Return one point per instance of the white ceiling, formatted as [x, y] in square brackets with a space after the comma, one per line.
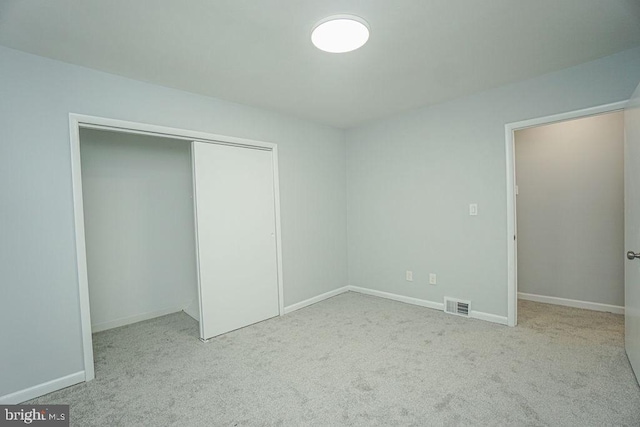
[258, 52]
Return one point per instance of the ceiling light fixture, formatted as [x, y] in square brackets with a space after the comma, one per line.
[340, 33]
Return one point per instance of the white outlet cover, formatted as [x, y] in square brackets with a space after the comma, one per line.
[433, 279]
[409, 276]
[473, 209]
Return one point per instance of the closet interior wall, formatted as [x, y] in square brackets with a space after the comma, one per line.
[139, 226]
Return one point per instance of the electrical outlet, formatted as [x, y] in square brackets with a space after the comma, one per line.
[473, 209]
[409, 276]
[433, 279]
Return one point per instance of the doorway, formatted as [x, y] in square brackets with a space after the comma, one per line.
[570, 212]
[510, 129]
[178, 142]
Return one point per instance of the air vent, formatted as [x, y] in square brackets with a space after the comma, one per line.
[457, 306]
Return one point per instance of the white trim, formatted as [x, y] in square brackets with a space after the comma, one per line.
[396, 297]
[510, 128]
[616, 309]
[426, 303]
[116, 125]
[276, 193]
[42, 389]
[123, 321]
[488, 317]
[197, 250]
[81, 249]
[512, 251]
[302, 304]
[76, 121]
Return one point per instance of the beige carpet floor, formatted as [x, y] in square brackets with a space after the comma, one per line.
[361, 360]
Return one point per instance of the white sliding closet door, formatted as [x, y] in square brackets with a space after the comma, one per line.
[235, 234]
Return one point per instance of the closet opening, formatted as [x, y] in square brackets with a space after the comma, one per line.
[139, 230]
[176, 228]
[140, 242]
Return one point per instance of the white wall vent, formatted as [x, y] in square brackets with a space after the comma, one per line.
[457, 306]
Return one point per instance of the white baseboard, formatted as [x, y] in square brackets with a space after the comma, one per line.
[302, 304]
[42, 389]
[616, 309]
[487, 317]
[396, 297]
[99, 327]
[429, 304]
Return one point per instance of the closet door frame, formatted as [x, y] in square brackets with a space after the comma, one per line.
[78, 121]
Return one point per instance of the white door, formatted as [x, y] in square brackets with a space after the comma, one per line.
[235, 234]
[632, 230]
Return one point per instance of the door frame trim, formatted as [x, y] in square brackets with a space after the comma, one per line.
[78, 121]
[512, 244]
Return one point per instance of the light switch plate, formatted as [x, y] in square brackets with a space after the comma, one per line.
[473, 209]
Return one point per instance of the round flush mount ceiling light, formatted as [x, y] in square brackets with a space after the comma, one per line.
[340, 33]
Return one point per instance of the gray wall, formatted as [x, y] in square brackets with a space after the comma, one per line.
[39, 308]
[139, 229]
[412, 177]
[570, 209]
